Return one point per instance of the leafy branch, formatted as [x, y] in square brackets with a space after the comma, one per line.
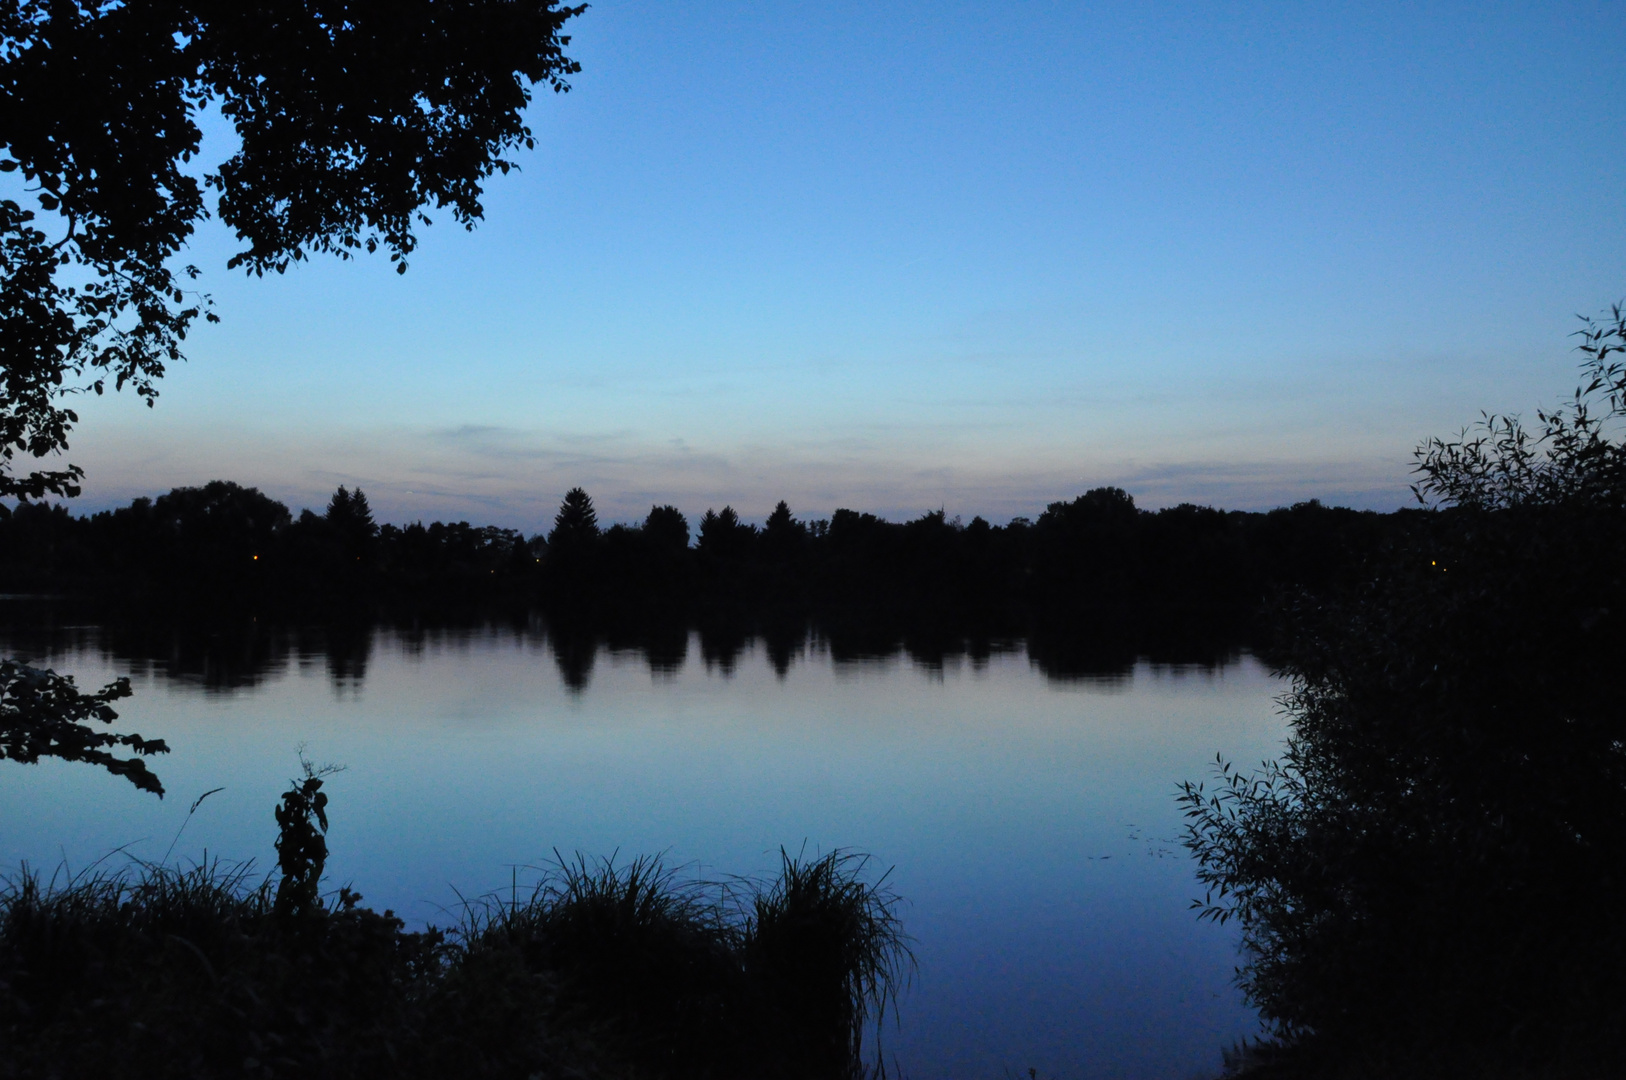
[44, 715]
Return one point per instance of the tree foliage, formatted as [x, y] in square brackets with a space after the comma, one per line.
[1575, 458]
[44, 715]
[576, 523]
[1436, 855]
[302, 841]
[667, 528]
[352, 118]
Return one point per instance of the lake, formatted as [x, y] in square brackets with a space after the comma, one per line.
[1027, 818]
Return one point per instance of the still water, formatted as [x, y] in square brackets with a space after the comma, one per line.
[1028, 819]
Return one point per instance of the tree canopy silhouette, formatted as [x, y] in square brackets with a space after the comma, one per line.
[1437, 857]
[352, 116]
[667, 528]
[576, 523]
[43, 715]
[351, 521]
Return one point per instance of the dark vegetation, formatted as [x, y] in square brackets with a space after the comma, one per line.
[1095, 564]
[1428, 881]
[353, 119]
[1090, 587]
[597, 970]
[44, 715]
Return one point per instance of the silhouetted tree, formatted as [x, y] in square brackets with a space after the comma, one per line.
[1433, 866]
[349, 119]
[571, 572]
[524, 555]
[649, 571]
[784, 553]
[1087, 555]
[781, 529]
[41, 546]
[350, 522]
[576, 523]
[351, 513]
[216, 539]
[714, 527]
[666, 528]
[724, 554]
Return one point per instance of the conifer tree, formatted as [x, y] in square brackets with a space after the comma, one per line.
[576, 523]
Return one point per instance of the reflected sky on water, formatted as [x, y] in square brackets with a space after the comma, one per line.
[1028, 819]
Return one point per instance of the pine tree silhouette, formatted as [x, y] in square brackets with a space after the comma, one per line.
[576, 523]
[338, 507]
[351, 521]
[780, 523]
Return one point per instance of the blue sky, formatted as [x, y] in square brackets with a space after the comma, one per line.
[902, 256]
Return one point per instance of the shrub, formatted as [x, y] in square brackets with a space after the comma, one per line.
[1432, 864]
[599, 970]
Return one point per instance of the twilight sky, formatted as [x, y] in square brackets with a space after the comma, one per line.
[904, 255]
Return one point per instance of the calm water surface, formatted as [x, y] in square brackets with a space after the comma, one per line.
[1029, 821]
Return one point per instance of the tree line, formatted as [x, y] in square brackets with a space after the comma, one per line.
[1097, 556]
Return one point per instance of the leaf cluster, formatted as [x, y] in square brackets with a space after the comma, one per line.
[45, 715]
[352, 118]
[302, 842]
[1574, 456]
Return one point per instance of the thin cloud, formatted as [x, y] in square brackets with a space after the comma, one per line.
[489, 474]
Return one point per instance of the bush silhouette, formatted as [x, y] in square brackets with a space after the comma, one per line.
[599, 970]
[1431, 868]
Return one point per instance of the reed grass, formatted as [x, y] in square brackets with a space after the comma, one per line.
[827, 953]
[599, 968]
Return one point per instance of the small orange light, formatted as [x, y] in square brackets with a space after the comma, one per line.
[256, 558]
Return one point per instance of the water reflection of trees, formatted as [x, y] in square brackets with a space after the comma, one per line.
[223, 654]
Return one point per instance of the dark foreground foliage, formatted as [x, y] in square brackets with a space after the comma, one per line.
[599, 970]
[44, 715]
[352, 120]
[1428, 881]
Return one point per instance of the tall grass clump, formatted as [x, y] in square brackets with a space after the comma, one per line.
[667, 977]
[190, 972]
[599, 969]
[826, 954]
[635, 962]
